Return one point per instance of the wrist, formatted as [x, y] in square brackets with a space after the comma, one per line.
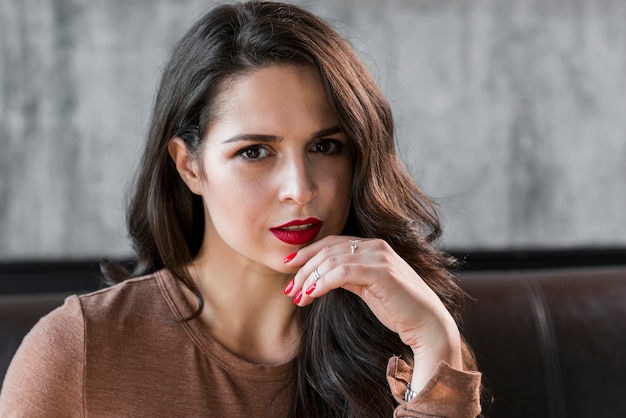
[442, 344]
[440, 340]
[439, 348]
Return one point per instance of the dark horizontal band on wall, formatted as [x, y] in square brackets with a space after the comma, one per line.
[25, 277]
[70, 276]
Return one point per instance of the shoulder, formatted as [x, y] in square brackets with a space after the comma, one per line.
[59, 331]
[48, 372]
[59, 336]
[141, 302]
[51, 353]
[110, 299]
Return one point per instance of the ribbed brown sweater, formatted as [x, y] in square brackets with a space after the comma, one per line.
[123, 352]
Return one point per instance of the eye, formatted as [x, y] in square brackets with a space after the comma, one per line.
[254, 152]
[327, 146]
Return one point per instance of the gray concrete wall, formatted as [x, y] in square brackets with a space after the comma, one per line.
[511, 113]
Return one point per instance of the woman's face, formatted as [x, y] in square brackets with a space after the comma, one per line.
[277, 168]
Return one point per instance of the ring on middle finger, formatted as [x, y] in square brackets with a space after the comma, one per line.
[354, 245]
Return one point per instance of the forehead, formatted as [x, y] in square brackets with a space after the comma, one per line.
[278, 97]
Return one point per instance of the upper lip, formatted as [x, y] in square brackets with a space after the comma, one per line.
[297, 224]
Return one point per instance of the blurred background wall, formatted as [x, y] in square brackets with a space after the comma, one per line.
[510, 113]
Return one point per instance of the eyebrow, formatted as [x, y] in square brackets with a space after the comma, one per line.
[273, 138]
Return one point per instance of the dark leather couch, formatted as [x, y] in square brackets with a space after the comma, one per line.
[550, 341]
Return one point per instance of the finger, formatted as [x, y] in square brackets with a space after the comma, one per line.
[361, 264]
[304, 254]
[303, 258]
[324, 252]
[346, 268]
[345, 272]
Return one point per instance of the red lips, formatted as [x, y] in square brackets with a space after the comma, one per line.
[298, 232]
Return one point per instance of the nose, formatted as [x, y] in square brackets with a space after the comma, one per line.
[297, 181]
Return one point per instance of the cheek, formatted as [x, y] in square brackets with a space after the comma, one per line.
[340, 182]
[231, 194]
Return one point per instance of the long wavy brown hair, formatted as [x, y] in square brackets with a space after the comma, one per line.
[344, 348]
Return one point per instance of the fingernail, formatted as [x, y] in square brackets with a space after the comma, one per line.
[289, 258]
[310, 289]
[298, 297]
[289, 286]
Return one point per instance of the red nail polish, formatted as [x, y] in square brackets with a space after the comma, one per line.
[298, 297]
[289, 258]
[310, 289]
[289, 287]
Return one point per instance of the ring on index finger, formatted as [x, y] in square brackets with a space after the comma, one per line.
[316, 275]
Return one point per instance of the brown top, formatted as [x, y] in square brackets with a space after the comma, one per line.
[122, 351]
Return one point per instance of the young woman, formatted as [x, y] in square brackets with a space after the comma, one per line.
[286, 265]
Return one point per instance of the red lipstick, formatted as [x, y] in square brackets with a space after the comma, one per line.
[298, 232]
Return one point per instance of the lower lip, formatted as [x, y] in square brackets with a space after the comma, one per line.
[300, 237]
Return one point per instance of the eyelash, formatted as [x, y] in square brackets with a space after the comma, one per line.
[242, 153]
[338, 145]
[335, 148]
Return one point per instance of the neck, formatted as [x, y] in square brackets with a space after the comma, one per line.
[246, 310]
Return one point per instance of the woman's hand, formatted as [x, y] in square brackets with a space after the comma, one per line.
[394, 292]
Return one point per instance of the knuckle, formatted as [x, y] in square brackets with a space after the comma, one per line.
[325, 251]
[381, 244]
[346, 269]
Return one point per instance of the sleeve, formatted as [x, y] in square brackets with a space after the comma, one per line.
[449, 393]
[45, 377]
